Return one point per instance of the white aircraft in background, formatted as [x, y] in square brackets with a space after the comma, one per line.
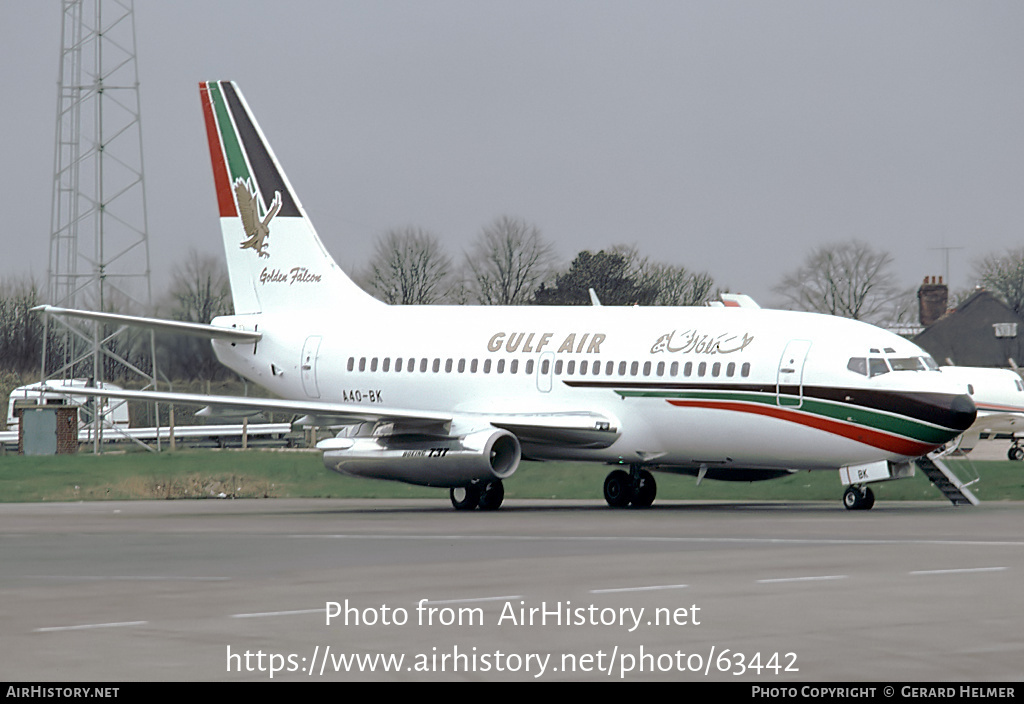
[999, 397]
[456, 396]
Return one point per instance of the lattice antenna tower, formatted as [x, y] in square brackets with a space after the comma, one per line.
[99, 247]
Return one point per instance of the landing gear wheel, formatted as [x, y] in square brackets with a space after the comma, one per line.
[618, 489]
[1015, 453]
[857, 499]
[465, 498]
[644, 490]
[492, 495]
[869, 499]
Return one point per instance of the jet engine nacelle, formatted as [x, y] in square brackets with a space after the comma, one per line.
[428, 461]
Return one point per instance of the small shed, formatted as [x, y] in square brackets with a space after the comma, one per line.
[47, 429]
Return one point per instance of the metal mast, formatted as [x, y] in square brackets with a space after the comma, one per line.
[99, 246]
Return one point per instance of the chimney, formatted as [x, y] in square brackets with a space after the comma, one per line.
[932, 299]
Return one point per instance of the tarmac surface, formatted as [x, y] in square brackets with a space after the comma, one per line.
[759, 592]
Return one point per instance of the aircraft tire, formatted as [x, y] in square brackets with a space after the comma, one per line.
[869, 499]
[645, 491]
[465, 498]
[1015, 453]
[492, 495]
[618, 489]
[857, 499]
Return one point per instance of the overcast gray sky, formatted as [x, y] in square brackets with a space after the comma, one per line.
[731, 137]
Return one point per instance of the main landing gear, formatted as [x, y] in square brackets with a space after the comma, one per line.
[636, 488]
[1016, 452]
[856, 498]
[485, 495]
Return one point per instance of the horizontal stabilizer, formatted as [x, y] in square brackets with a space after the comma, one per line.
[179, 327]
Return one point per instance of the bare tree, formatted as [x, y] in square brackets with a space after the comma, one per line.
[1004, 276]
[200, 291]
[409, 267]
[510, 259]
[672, 284]
[21, 331]
[850, 280]
[678, 286]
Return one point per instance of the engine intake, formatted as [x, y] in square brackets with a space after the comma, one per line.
[427, 461]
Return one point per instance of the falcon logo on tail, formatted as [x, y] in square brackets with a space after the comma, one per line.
[256, 229]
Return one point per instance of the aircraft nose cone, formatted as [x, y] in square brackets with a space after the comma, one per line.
[961, 412]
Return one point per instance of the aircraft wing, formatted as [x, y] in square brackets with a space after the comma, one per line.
[338, 412]
[991, 422]
[583, 429]
[159, 324]
[998, 421]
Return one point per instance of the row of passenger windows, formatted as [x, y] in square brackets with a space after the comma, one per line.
[561, 367]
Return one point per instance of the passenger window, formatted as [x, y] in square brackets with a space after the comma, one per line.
[386, 365]
[716, 368]
[423, 365]
[351, 363]
[462, 366]
[473, 366]
[558, 367]
[702, 368]
[583, 367]
[745, 369]
[570, 367]
[622, 369]
[545, 364]
[731, 369]
[688, 369]
[501, 366]
[513, 366]
[437, 365]
[487, 366]
[529, 366]
[647, 368]
[673, 370]
[661, 369]
[634, 368]
[609, 368]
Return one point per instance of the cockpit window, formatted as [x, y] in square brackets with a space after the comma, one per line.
[901, 364]
[858, 364]
[876, 366]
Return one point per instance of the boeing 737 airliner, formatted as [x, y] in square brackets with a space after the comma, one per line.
[456, 396]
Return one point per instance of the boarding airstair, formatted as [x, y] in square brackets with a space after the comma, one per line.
[943, 478]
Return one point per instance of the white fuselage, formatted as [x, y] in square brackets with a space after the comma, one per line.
[687, 387]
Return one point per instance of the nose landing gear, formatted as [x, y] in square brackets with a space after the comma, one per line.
[856, 498]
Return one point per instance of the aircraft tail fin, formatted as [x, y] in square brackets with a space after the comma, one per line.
[275, 259]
